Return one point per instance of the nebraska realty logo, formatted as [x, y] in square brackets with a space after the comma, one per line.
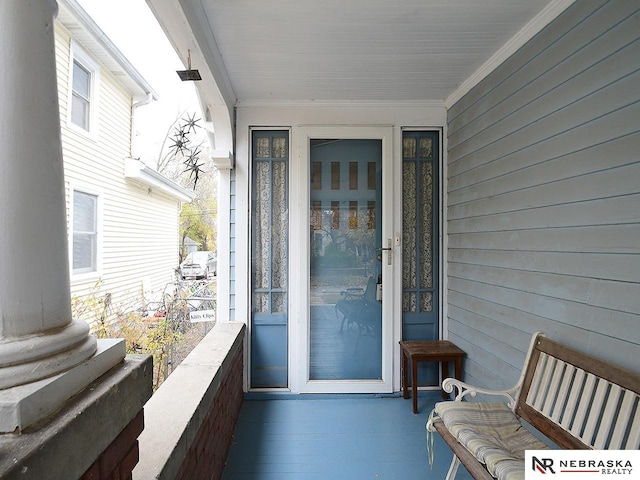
[581, 464]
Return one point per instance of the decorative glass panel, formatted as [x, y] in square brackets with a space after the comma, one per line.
[262, 219]
[262, 147]
[426, 225]
[409, 303]
[279, 303]
[279, 147]
[261, 302]
[279, 226]
[426, 302]
[409, 148]
[426, 147]
[409, 220]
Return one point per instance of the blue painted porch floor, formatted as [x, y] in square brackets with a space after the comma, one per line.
[335, 437]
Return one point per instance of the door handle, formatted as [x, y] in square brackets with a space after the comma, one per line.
[387, 249]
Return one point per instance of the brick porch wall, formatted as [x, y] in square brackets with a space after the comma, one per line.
[93, 437]
[189, 421]
[208, 452]
[119, 458]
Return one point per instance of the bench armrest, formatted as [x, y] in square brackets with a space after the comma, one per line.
[510, 394]
[464, 390]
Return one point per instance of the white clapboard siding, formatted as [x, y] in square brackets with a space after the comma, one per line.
[139, 230]
[543, 199]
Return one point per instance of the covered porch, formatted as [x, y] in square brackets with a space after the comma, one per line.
[518, 213]
[536, 108]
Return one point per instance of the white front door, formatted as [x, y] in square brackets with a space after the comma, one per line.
[342, 260]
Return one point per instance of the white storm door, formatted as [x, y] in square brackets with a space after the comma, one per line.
[345, 333]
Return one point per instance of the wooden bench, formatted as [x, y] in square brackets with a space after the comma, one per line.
[574, 399]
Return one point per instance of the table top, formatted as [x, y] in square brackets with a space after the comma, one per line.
[431, 348]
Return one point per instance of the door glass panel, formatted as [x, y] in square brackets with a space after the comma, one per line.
[345, 337]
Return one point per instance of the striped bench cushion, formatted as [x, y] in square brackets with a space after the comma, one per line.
[492, 433]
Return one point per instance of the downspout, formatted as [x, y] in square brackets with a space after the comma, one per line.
[135, 104]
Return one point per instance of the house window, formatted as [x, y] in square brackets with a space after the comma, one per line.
[83, 95]
[85, 233]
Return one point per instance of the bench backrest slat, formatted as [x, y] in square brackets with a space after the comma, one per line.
[562, 401]
[608, 417]
[596, 408]
[624, 414]
[556, 382]
[579, 401]
[534, 395]
[586, 393]
[577, 374]
[634, 434]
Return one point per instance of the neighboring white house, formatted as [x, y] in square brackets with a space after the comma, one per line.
[122, 215]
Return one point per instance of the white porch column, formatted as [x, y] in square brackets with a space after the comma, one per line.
[38, 337]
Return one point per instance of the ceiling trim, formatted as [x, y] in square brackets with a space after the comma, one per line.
[531, 29]
[200, 25]
[341, 103]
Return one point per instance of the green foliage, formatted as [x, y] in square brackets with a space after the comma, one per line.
[153, 336]
[92, 307]
[198, 221]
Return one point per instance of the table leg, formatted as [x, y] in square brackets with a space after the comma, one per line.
[459, 368]
[403, 366]
[414, 383]
[445, 374]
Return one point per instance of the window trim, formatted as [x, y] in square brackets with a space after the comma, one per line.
[80, 56]
[94, 274]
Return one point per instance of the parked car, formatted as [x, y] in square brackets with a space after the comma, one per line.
[199, 265]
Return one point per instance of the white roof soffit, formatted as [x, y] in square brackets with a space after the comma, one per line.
[379, 53]
[92, 38]
[136, 171]
[546, 16]
[217, 97]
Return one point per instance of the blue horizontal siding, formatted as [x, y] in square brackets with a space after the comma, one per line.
[543, 197]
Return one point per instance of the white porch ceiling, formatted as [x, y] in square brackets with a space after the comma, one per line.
[350, 50]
